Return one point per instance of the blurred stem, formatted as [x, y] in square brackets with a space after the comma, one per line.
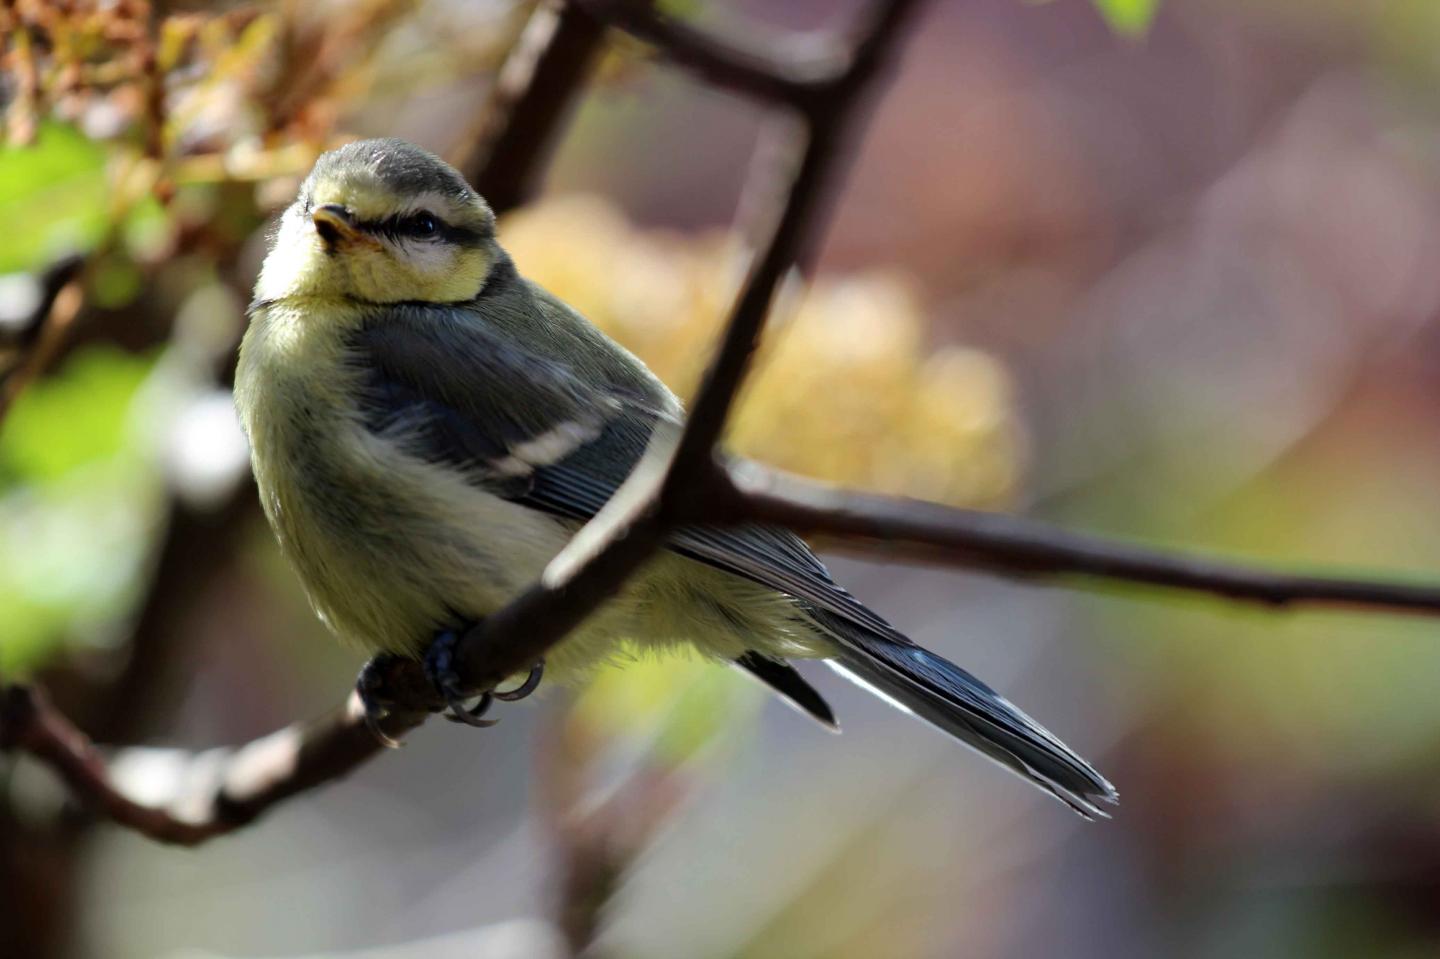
[20, 119]
[597, 842]
[509, 149]
[199, 546]
[41, 337]
[790, 73]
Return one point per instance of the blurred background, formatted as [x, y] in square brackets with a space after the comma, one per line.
[1172, 279]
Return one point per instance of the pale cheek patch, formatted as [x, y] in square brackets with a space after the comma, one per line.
[428, 258]
[441, 272]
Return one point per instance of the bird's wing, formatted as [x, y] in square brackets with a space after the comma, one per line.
[452, 392]
[529, 429]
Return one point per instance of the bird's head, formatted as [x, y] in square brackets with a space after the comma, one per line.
[382, 221]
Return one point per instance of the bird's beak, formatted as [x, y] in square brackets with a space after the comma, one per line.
[335, 225]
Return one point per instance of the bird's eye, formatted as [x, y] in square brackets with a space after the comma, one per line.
[423, 224]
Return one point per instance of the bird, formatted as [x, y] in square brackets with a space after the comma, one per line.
[428, 429]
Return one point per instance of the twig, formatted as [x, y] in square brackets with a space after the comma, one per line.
[793, 74]
[39, 336]
[236, 785]
[828, 120]
[599, 827]
[52, 279]
[199, 546]
[1013, 546]
[534, 90]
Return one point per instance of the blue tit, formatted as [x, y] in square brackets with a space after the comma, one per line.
[428, 429]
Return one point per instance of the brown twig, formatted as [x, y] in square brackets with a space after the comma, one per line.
[1014, 546]
[38, 337]
[52, 279]
[534, 91]
[241, 785]
[794, 74]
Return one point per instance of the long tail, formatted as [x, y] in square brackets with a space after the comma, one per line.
[954, 701]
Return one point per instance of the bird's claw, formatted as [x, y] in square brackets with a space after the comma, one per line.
[368, 687]
[532, 682]
[440, 670]
[459, 712]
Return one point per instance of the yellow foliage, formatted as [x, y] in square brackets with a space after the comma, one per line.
[845, 388]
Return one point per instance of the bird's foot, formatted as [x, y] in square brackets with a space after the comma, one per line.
[440, 670]
[370, 686]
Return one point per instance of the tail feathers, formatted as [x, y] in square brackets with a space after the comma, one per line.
[956, 702]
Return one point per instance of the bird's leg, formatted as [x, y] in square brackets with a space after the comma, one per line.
[370, 687]
[440, 670]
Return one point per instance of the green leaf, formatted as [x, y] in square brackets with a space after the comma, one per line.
[72, 554]
[72, 419]
[53, 198]
[1129, 17]
[78, 506]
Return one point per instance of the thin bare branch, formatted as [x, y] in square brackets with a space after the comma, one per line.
[790, 74]
[24, 330]
[828, 126]
[38, 337]
[1013, 546]
[535, 90]
[220, 791]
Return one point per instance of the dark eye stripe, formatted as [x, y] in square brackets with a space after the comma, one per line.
[406, 227]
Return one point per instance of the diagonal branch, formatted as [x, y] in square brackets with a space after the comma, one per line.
[657, 497]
